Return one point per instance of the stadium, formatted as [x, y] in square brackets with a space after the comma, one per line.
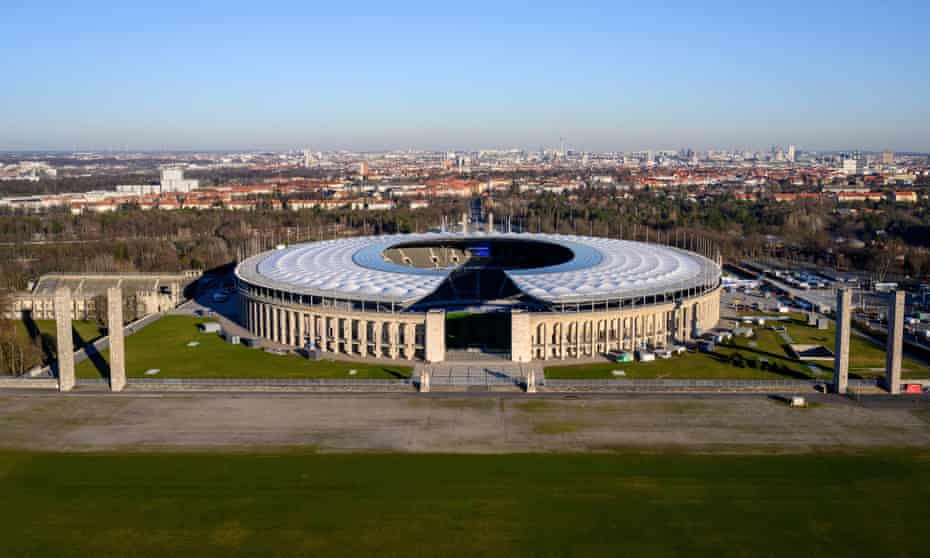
[447, 296]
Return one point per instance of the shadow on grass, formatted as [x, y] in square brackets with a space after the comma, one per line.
[93, 355]
[779, 369]
[45, 340]
[395, 374]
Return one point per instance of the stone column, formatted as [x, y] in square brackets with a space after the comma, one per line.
[323, 332]
[64, 341]
[435, 336]
[895, 343]
[576, 327]
[363, 338]
[410, 340]
[590, 336]
[379, 336]
[292, 333]
[115, 333]
[545, 340]
[311, 328]
[424, 380]
[531, 381]
[841, 356]
[490, 228]
[403, 333]
[392, 339]
[520, 336]
[272, 324]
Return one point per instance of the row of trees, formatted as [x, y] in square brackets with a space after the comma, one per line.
[885, 239]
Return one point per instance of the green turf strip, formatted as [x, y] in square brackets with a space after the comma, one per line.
[439, 505]
[867, 360]
[164, 345]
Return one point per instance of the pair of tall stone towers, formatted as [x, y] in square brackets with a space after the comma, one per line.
[63, 317]
[894, 344]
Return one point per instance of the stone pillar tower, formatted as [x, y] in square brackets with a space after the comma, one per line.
[520, 343]
[841, 356]
[63, 311]
[895, 342]
[424, 380]
[435, 336]
[115, 333]
[531, 381]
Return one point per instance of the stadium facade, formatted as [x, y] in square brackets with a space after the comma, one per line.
[562, 297]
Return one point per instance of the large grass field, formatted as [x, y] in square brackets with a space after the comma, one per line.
[44, 334]
[866, 359]
[81, 331]
[439, 505]
[164, 346]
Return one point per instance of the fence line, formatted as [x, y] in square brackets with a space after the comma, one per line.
[705, 383]
[258, 382]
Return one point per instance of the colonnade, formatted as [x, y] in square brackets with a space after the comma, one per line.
[393, 336]
[534, 335]
[588, 334]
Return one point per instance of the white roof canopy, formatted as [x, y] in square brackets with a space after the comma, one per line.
[600, 269]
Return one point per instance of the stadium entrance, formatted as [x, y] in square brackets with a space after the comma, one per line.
[474, 336]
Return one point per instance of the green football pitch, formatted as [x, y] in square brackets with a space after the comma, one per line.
[295, 503]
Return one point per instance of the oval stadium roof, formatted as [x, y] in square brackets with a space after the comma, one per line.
[600, 269]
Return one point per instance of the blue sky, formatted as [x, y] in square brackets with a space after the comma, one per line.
[443, 75]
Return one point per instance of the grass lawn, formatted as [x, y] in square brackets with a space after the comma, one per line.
[866, 359]
[81, 331]
[699, 365]
[438, 505]
[163, 346]
[43, 333]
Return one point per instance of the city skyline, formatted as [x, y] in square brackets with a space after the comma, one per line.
[233, 76]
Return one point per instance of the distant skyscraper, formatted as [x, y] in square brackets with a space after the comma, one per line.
[791, 153]
[854, 165]
[308, 158]
[363, 169]
[887, 157]
[172, 180]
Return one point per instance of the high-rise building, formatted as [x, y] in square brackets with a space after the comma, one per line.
[791, 153]
[363, 169]
[309, 161]
[854, 165]
[172, 180]
[887, 157]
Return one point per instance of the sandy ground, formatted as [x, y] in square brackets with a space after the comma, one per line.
[416, 423]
